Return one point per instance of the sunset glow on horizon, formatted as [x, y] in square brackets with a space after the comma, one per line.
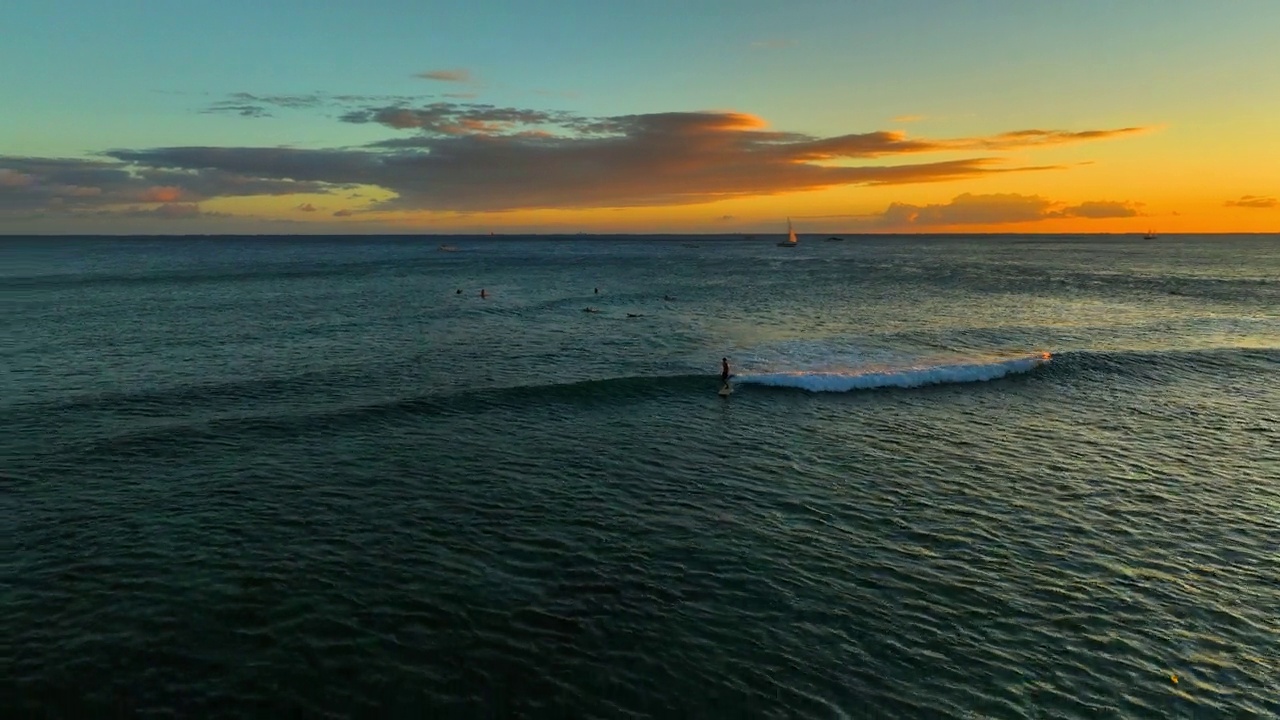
[645, 118]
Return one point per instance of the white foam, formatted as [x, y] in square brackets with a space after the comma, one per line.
[906, 377]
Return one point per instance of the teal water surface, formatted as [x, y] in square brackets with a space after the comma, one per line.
[957, 477]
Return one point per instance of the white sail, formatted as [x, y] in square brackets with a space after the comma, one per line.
[791, 236]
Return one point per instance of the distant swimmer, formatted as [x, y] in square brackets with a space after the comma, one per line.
[597, 291]
[459, 292]
[483, 294]
[635, 314]
[667, 297]
[589, 309]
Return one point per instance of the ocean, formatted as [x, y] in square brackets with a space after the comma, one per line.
[957, 477]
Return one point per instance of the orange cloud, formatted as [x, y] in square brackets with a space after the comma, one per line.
[14, 179]
[1099, 209]
[1039, 138]
[161, 194]
[1253, 201]
[458, 75]
[475, 158]
[998, 209]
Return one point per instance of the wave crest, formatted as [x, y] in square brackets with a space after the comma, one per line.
[909, 377]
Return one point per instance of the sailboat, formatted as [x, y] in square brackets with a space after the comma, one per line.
[791, 236]
[1151, 235]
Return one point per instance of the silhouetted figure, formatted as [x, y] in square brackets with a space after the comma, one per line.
[724, 370]
[483, 294]
[459, 291]
[597, 291]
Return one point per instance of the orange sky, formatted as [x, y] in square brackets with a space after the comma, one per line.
[1092, 117]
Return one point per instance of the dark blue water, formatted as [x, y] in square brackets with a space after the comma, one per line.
[957, 477]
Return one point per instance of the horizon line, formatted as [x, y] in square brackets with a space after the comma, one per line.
[740, 236]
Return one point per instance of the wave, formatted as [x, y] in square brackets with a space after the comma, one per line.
[908, 377]
[170, 420]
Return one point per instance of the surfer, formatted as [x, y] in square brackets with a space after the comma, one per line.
[483, 294]
[724, 378]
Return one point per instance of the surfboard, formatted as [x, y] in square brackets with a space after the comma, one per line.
[725, 390]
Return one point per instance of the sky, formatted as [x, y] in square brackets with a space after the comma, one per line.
[634, 116]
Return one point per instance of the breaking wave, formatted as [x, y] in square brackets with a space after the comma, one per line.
[903, 377]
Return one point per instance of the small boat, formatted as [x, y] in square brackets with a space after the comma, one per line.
[791, 236]
[1151, 235]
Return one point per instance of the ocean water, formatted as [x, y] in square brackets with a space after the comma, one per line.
[999, 477]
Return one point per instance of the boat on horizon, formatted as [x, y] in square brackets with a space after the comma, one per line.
[1151, 235]
[791, 240]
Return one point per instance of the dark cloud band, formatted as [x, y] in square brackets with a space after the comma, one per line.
[471, 157]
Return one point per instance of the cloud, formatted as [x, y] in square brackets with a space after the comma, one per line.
[473, 161]
[259, 106]
[168, 211]
[1253, 201]
[13, 178]
[724, 218]
[464, 157]
[68, 185]
[306, 207]
[1032, 138]
[998, 209]
[458, 75]
[445, 118]
[162, 194]
[908, 118]
[343, 213]
[1098, 209]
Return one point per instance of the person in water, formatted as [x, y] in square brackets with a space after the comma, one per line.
[724, 370]
[483, 294]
